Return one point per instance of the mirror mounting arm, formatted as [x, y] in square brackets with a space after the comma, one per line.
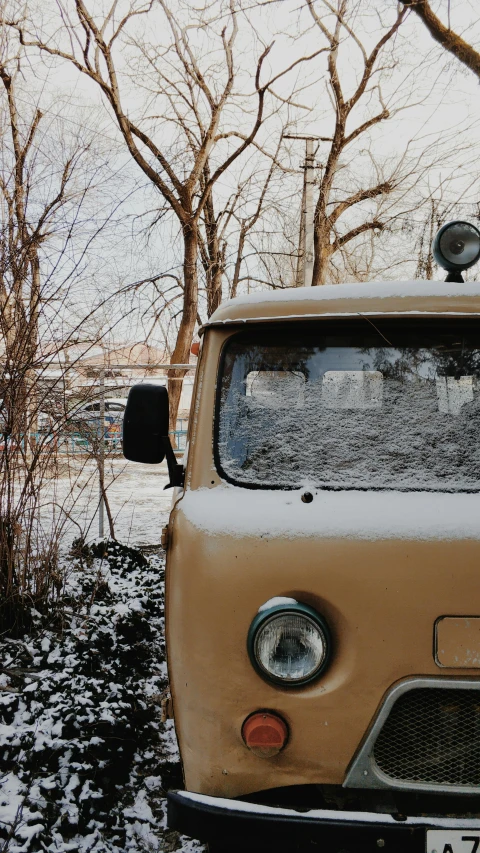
[176, 471]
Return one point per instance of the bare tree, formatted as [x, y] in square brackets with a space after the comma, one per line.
[191, 90]
[334, 23]
[21, 239]
[46, 178]
[249, 216]
[20, 243]
[226, 226]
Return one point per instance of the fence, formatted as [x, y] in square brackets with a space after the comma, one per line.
[78, 442]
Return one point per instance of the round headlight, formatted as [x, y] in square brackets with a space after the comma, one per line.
[457, 246]
[289, 644]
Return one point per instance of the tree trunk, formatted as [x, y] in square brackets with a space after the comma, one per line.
[214, 261]
[322, 227]
[181, 353]
[238, 262]
[323, 253]
[214, 296]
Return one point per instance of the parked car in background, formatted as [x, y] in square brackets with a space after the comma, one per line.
[85, 419]
[114, 409]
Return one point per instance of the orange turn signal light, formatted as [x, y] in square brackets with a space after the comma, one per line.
[265, 733]
[195, 348]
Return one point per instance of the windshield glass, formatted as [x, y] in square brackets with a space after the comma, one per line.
[362, 404]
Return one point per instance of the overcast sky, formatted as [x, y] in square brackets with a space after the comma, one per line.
[446, 112]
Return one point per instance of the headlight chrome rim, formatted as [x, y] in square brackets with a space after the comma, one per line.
[263, 618]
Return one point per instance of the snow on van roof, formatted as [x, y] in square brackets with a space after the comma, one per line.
[369, 297]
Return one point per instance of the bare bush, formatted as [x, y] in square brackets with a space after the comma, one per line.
[46, 176]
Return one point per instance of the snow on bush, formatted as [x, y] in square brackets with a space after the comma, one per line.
[85, 760]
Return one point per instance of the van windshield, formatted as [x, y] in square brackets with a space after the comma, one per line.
[363, 404]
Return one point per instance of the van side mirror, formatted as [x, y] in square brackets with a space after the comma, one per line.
[145, 429]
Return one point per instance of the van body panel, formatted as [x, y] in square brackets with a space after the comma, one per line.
[381, 599]
[380, 567]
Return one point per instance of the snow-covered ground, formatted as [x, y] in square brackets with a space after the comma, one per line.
[85, 758]
[138, 502]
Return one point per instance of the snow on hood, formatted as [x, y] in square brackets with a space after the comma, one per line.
[234, 511]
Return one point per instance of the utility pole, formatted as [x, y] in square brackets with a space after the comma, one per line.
[308, 184]
[305, 260]
[301, 238]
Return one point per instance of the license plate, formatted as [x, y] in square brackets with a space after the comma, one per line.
[453, 841]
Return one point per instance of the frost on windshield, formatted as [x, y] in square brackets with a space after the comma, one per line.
[352, 411]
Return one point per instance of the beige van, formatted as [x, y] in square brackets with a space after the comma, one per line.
[323, 571]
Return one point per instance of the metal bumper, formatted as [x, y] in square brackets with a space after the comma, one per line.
[214, 818]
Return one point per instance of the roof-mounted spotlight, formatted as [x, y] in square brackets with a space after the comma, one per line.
[456, 248]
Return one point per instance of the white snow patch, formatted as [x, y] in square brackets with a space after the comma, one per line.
[140, 506]
[361, 290]
[233, 511]
[152, 783]
[140, 809]
[30, 831]
[326, 814]
[169, 740]
[12, 793]
[275, 602]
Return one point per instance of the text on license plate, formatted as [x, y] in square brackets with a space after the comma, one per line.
[453, 841]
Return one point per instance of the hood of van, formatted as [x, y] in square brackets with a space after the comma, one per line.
[240, 512]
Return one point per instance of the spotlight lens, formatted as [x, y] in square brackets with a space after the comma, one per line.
[458, 246]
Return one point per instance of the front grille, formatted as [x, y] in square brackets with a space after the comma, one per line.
[433, 736]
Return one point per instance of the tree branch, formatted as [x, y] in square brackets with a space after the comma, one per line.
[375, 225]
[365, 126]
[449, 40]
[356, 198]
